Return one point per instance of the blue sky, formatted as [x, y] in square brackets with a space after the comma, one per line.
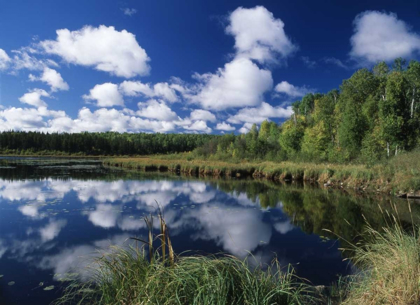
[185, 66]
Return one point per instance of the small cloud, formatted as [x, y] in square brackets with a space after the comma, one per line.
[4, 60]
[52, 78]
[308, 62]
[336, 61]
[225, 127]
[129, 11]
[293, 91]
[106, 95]
[33, 98]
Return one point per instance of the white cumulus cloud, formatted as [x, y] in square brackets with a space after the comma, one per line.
[258, 35]
[200, 114]
[153, 109]
[260, 114]
[240, 83]
[52, 78]
[380, 36]
[105, 95]
[33, 98]
[103, 48]
[29, 119]
[160, 90]
[291, 90]
[198, 126]
[225, 127]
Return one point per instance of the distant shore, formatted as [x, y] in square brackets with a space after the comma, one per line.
[390, 178]
[400, 176]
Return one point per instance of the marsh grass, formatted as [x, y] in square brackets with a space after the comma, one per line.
[130, 276]
[388, 262]
[400, 173]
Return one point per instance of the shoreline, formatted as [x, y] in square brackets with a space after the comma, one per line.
[356, 177]
[387, 179]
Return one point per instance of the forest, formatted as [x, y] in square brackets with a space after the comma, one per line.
[374, 115]
[104, 143]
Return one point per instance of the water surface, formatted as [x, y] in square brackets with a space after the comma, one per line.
[56, 213]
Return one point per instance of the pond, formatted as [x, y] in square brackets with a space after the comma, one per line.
[55, 214]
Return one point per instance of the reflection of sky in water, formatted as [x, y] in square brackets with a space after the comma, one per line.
[49, 228]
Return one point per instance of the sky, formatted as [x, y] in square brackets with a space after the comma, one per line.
[185, 66]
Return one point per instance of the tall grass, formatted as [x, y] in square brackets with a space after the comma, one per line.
[129, 276]
[401, 173]
[388, 262]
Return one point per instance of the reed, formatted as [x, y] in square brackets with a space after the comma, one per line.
[129, 276]
[388, 262]
[399, 174]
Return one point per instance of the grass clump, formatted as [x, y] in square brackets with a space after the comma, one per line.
[130, 276]
[389, 267]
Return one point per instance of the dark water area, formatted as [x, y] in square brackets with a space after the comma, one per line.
[55, 214]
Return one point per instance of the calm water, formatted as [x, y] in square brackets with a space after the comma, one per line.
[56, 214]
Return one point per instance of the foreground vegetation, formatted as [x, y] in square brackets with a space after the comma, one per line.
[387, 260]
[390, 268]
[400, 174]
[129, 276]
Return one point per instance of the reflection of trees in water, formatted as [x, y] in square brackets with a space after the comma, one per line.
[311, 208]
[63, 169]
[314, 209]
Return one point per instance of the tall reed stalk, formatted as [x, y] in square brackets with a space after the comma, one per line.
[128, 276]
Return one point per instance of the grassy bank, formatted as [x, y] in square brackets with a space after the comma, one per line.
[387, 260]
[399, 175]
[389, 267]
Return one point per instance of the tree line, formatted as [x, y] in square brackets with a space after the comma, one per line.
[106, 143]
[374, 115]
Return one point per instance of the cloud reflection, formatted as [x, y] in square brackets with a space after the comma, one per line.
[233, 222]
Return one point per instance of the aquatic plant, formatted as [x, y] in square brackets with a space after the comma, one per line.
[130, 276]
[389, 265]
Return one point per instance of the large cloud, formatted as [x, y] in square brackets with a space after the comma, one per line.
[102, 120]
[28, 119]
[104, 48]
[380, 36]
[258, 35]
[153, 116]
[240, 83]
